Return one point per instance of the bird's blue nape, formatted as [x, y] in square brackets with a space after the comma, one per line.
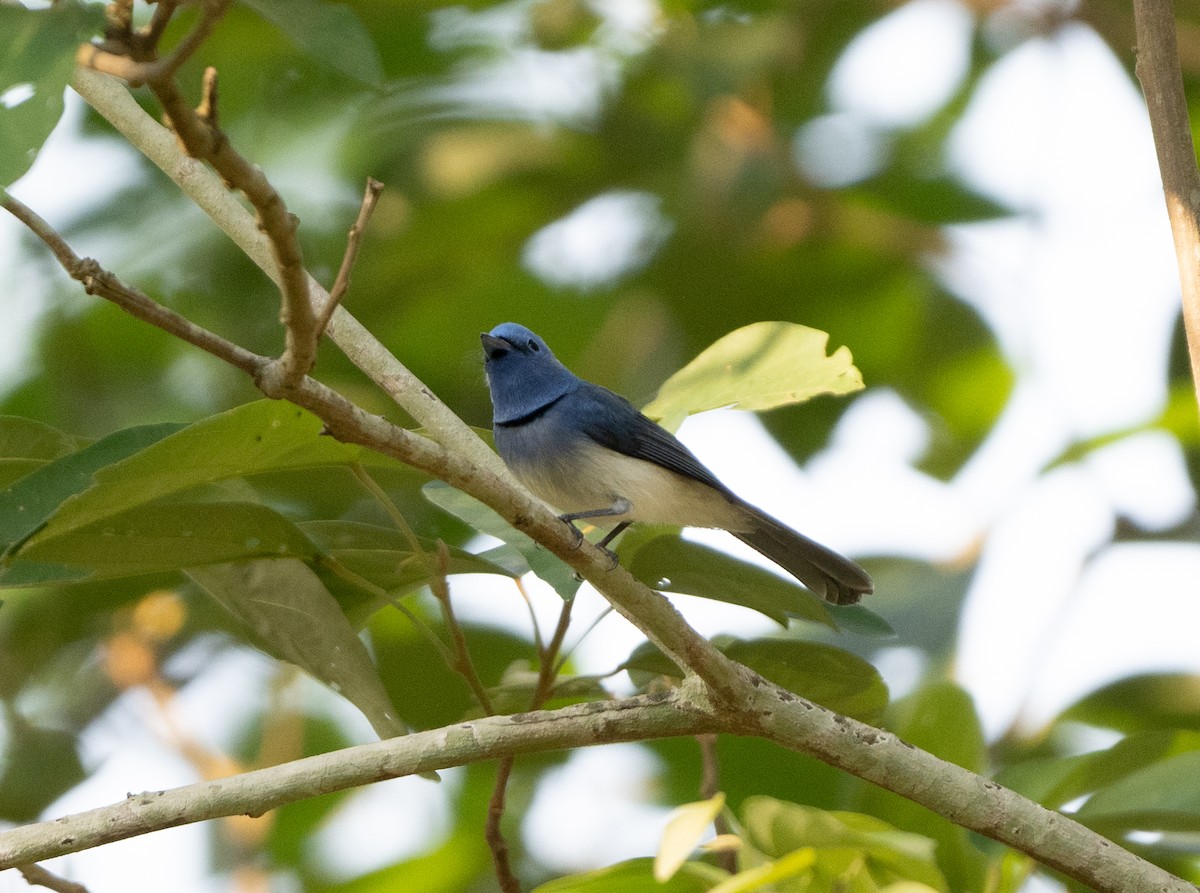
[523, 374]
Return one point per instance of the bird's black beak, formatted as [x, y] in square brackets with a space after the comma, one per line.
[493, 347]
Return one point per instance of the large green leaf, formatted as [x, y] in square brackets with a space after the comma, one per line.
[27, 504]
[37, 57]
[760, 366]
[29, 439]
[331, 33]
[296, 619]
[470, 510]
[268, 435]
[673, 564]
[174, 536]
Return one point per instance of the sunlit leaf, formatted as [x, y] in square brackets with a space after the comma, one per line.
[687, 825]
[761, 877]
[294, 616]
[760, 366]
[474, 513]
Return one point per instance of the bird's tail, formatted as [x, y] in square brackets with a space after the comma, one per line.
[836, 579]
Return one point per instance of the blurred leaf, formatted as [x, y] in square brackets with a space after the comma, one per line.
[760, 366]
[687, 825]
[268, 435]
[296, 618]
[833, 678]
[637, 876]
[470, 510]
[1162, 797]
[36, 766]
[673, 564]
[765, 876]
[330, 33]
[26, 505]
[174, 536]
[37, 58]
[1054, 782]
[1147, 701]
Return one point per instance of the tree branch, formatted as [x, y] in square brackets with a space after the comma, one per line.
[1162, 84]
[108, 97]
[257, 792]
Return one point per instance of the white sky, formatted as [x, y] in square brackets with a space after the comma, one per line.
[1082, 293]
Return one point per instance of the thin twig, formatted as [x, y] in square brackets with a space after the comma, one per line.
[538, 643]
[710, 784]
[37, 876]
[138, 72]
[341, 284]
[1162, 83]
[98, 281]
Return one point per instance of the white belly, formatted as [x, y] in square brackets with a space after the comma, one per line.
[594, 477]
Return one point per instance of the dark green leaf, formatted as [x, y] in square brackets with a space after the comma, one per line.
[26, 505]
[296, 618]
[331, 33]
[675, 565]
[37, 57]
[473, 512]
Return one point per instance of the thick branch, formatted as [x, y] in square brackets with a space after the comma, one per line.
[1162, 83]
[254, 793]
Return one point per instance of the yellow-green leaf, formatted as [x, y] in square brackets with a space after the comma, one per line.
[759, 366]
[682, 835]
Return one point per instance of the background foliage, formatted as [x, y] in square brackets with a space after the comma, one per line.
[692, 121]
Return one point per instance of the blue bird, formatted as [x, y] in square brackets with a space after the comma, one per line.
[590, 454]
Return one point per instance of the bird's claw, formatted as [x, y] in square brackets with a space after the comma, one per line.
[576, 533]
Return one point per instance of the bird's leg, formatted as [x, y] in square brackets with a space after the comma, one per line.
[619, 507]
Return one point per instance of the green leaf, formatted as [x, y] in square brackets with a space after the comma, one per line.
[268, 435]
[28, 503]
[1148, 701]
[833, 678]
[760, 366]
[637, 876]
[936, 200]
[672, 564]
[297, 620]
[778, 828]
[37, 57]
[474, 513]
[1161, 797]
[174, 536]
[331, 33]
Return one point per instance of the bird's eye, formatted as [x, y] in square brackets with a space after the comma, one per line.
[534, 346]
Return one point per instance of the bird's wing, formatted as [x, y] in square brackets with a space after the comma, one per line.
[614, 422]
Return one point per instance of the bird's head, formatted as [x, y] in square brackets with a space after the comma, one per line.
[522, 372]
